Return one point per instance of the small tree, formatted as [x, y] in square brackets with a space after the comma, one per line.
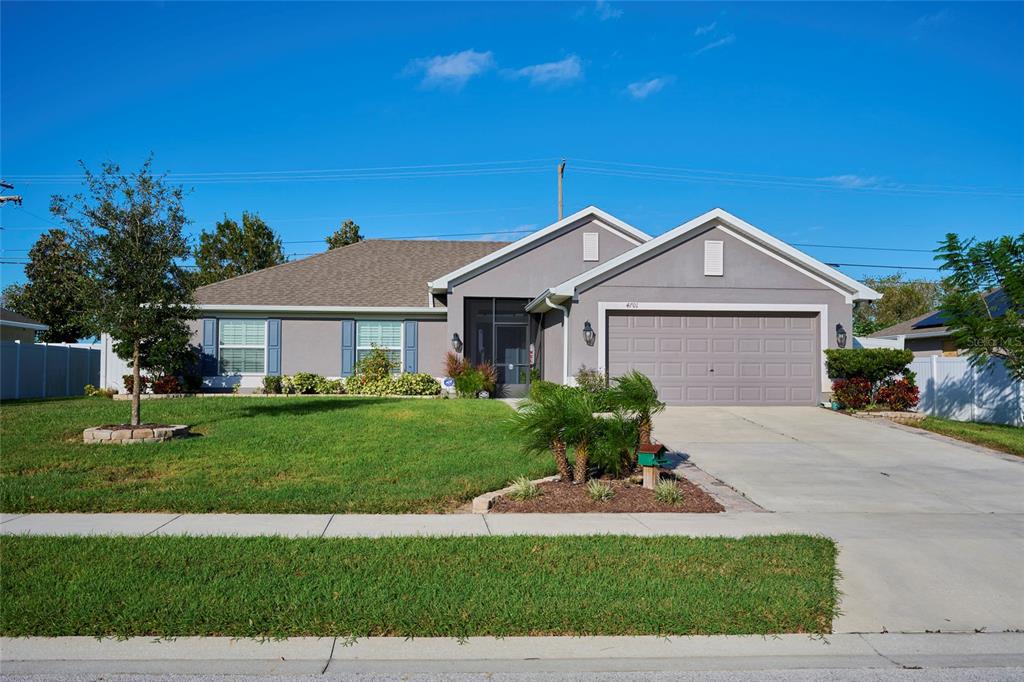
[901, 300]
[55, 291]
[347, 234]
[130, 229]
[232, 250]
[635, 393]
[984, 300]
[539, 425]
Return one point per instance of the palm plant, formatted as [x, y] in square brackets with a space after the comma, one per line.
[614, 450]
[580, 428]
[539, 424]
[635, 393]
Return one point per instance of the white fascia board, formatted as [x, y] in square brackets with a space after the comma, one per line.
[917, 335]
[24, 325]
[323, 309]
[737, 228]
[440, 285]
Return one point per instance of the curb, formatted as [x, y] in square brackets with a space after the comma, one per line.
[312, 655]
[482, 503]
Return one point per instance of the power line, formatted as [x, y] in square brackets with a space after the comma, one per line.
[887, 267]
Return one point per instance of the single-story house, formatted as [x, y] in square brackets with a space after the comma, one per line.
[17, 327]
[715, 311]
[928, 335]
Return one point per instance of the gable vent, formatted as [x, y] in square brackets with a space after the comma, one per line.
[590, 252]
[713, 261]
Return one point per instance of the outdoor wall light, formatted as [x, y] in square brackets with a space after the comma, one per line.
[840, 336]
[588, 333]
[456, 342]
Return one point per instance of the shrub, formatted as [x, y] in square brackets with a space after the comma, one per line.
[360, 384]
[192, 381]
[470, 383]
[166, 384]
[325, 386]
[898, 395]
[614, 448]
[599, 492]
[304, 382]
[852, 393]
[416, 384]
[375, 365]
[873, 364]
[273, 385]
[524, 489]
[129, 383]
[595, 383]
[454, 364]
[93, 392]
[490, 376]
[667, 492]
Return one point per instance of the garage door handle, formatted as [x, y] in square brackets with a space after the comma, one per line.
[711, 369]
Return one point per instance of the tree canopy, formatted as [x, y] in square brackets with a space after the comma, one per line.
[901, 300]
[347, 234]
[983, 304]
[232, 249]
[130, 230]
[55, 291]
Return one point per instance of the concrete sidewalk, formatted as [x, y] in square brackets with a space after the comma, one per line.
[309, 655]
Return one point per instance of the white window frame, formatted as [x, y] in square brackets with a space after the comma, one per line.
[400, 348]
[221, 345]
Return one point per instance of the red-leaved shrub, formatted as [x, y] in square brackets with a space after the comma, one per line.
[129, 383]
[852, 393]
[898, 395]
[167, 384]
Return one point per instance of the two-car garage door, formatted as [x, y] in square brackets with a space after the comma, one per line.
[720, 358]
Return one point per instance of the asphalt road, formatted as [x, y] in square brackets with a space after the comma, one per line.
[804, 675]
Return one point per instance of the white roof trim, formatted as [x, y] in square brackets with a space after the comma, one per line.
[745, 232]
[24, 325]
[383, 310]
[605, 220]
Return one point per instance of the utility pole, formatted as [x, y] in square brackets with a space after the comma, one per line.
[16, 198]
[561, 173]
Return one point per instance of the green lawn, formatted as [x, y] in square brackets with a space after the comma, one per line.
[1005, 438]
[296, 454]
[454, 586]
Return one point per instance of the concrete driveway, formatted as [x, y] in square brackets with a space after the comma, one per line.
[931, 531]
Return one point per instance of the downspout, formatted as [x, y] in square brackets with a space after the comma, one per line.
[565, 338]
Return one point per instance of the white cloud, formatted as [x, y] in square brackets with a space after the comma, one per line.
[704, 30]
[604, 10]
[851, 181]
[721, 42]
[451, 71]
[926, 21]
[552, 73]
[643, 89]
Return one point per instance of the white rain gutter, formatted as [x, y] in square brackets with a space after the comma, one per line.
[565, 338]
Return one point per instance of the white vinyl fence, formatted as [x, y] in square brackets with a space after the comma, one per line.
[952, 388]
[46, 370]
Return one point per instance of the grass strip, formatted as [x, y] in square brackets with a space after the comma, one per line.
[302, 454]
[996, 436]
[415, 586]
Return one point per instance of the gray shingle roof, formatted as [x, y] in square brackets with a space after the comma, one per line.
[375, 272]
[8, 315]
[907, 327]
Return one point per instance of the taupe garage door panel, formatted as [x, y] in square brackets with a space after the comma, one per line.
[720, 358]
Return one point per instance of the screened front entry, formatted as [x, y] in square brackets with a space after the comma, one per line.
[497, 332]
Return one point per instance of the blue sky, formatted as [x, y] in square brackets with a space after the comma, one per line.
[869, 125]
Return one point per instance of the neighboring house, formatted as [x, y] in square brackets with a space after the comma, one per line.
[928, 335]
[715, 311]
[16, 327]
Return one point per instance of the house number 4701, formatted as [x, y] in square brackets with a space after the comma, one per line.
[632, 304]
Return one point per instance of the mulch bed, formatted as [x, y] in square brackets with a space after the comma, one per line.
[629, 497]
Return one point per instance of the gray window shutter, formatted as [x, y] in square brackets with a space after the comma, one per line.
[274, 347]
[348, 348]
[209, 362]
[410, 351]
